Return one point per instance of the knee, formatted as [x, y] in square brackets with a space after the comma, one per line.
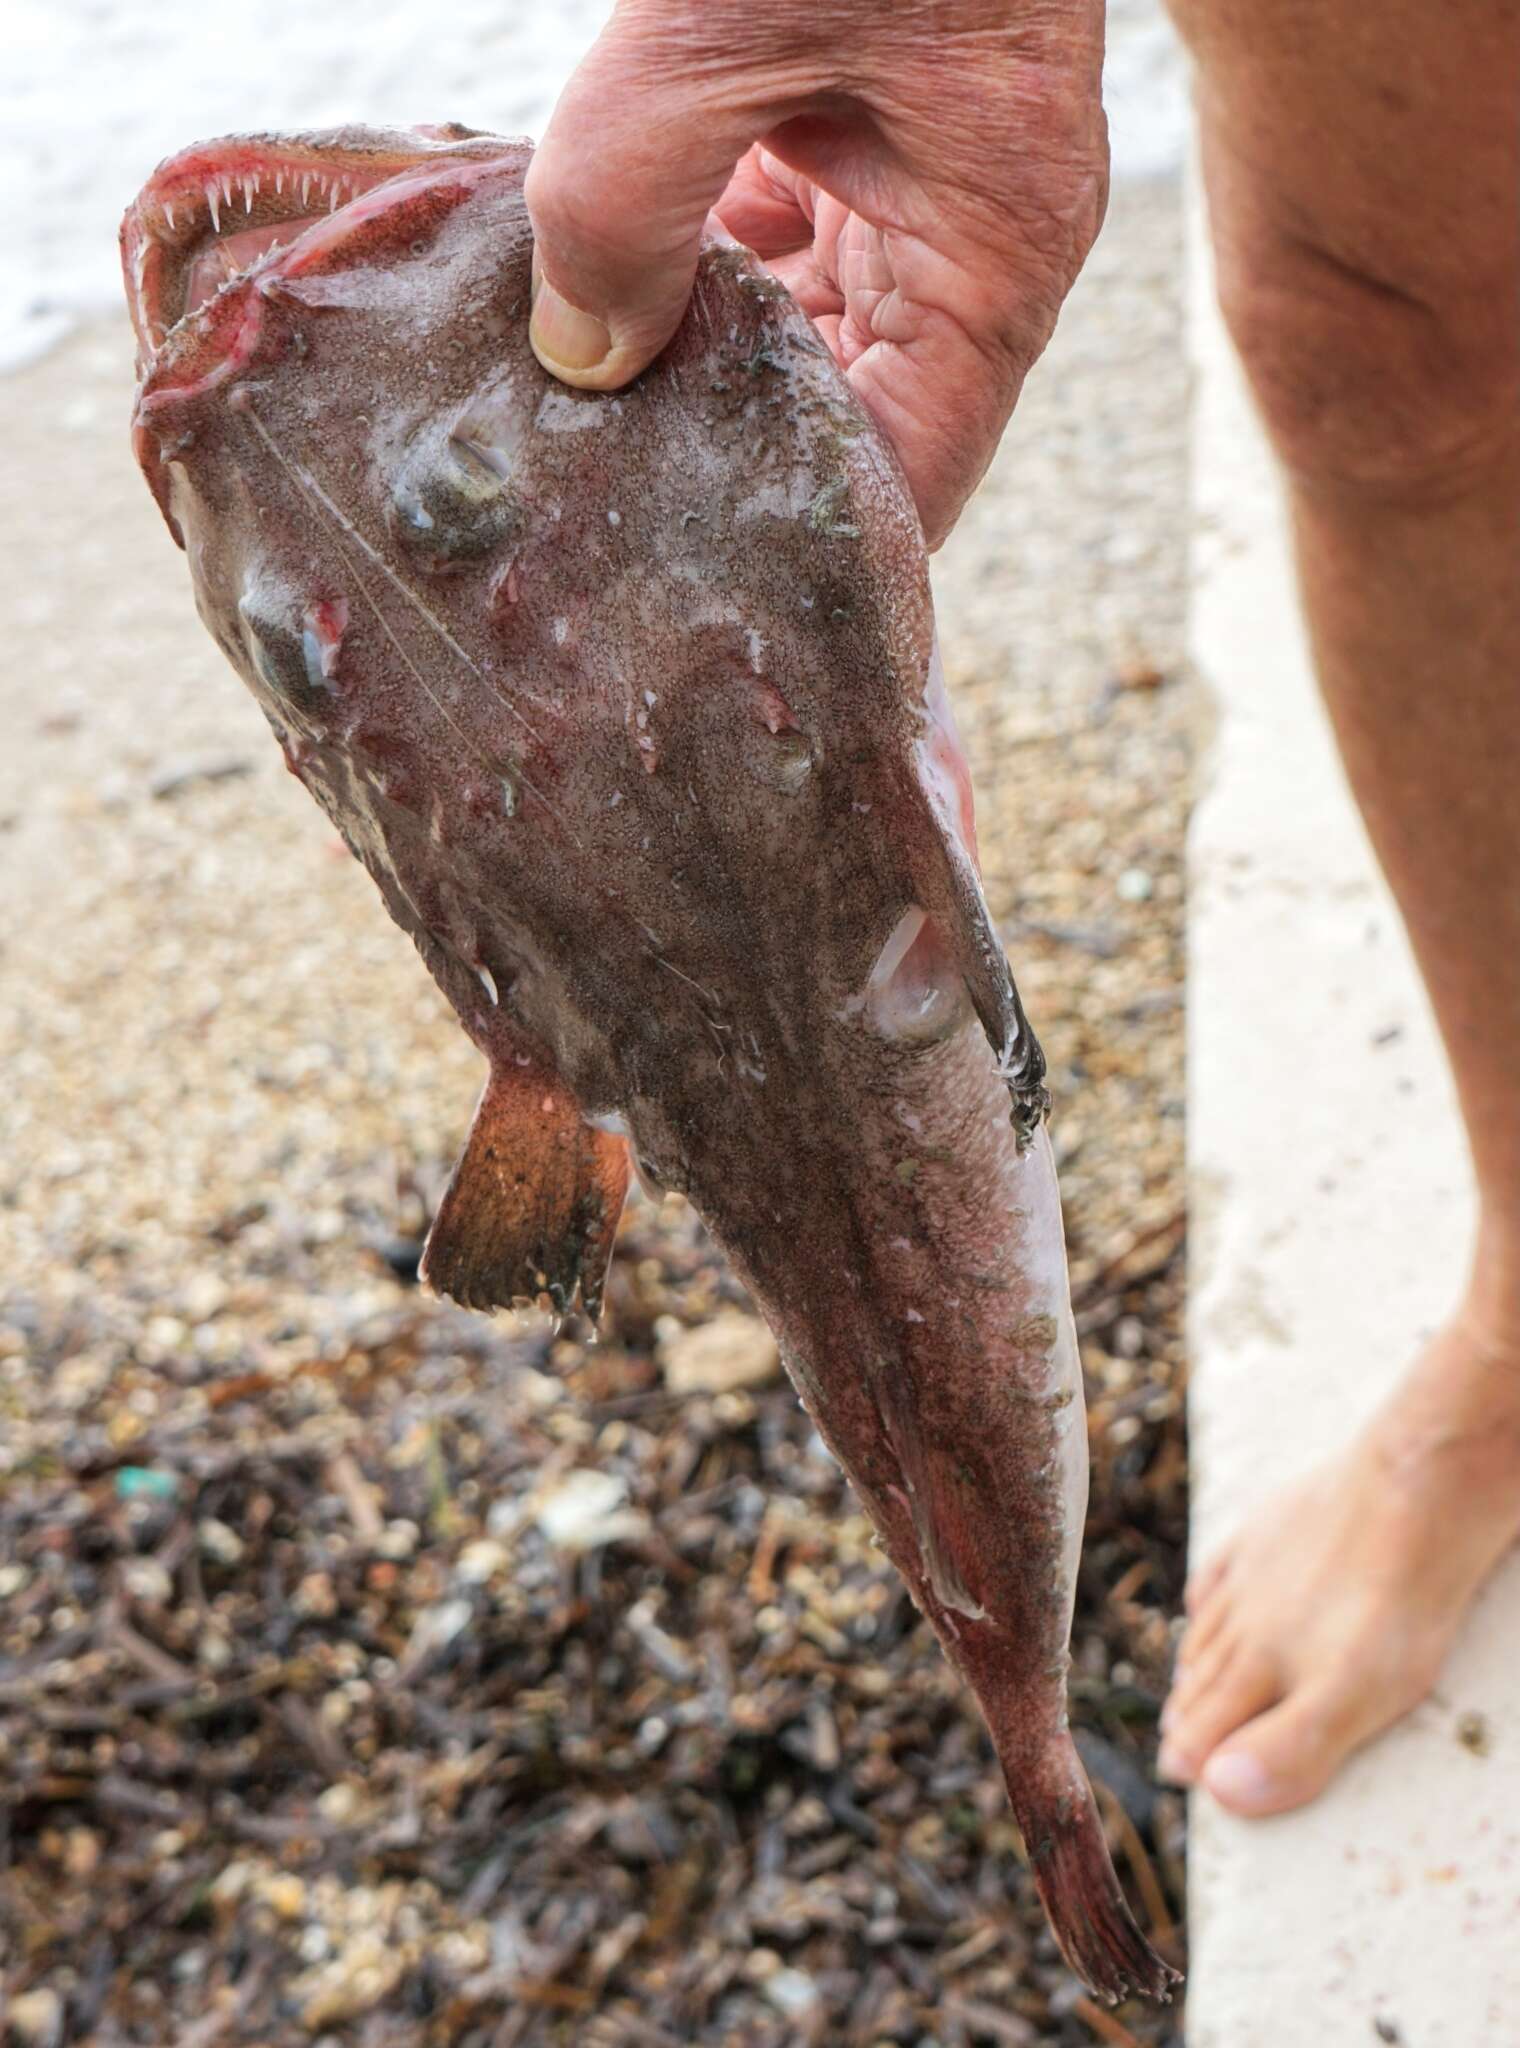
[1372, 386]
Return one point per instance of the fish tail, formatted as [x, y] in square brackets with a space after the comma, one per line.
[1078, 1888]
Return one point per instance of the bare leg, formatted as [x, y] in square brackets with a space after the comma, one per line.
[1363, 169]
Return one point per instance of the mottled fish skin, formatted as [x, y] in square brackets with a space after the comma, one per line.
[628, 704]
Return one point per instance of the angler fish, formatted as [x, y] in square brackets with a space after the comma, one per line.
[629, 705]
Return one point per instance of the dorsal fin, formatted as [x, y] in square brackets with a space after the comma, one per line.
[533, 1204]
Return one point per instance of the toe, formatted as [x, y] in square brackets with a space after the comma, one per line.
[1203, 1633]
[1204, 1581]
[1196, 1673]
[1286, 1756]
[1243, 1684]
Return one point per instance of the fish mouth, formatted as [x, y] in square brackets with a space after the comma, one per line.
[209, 215]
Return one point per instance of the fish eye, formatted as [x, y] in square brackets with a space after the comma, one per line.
[293, 646]
[273, 639]
[450, 504]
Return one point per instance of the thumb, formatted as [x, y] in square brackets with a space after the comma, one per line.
[639, 148]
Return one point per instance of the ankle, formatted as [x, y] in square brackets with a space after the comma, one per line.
[1454, 1419]
[1490, 1311]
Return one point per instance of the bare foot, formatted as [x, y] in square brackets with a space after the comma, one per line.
[1330, 1614]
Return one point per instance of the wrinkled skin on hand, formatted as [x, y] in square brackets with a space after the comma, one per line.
[926, 176]
[627, 704]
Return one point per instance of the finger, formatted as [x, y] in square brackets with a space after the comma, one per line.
[766, 208]
[814, 290]
[641, 146]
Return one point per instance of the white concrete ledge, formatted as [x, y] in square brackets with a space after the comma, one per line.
[1331, 1207]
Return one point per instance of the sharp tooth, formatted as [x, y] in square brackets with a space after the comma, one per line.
[305, 187]
[169, 216]
[227, 188]
[215, 206]
[248, 195]
[279, 182]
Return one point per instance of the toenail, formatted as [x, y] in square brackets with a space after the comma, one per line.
[1237, 1779]
[1174, 1764]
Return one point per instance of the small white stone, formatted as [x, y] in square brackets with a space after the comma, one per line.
[587, 1509]
[436, 1627]
[792, 1992]
[539, 1389]
[36, 2017]
[482, 1560]
[229, 1885]
[314, 1946]
[220, 1543]
[203, 1297]
[145, 1579]
[397, 1540]
[339, 1803]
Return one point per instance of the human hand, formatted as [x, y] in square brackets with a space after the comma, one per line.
[925, 176]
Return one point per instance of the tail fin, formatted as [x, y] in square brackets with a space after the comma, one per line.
[1075, 1877]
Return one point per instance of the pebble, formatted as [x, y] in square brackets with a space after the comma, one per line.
[141, 1482]
[184, 775]
[434, 1629]
[316, 1597]
[36, 2017]
[588, 1509]
[340, 1803]
[203, 1296]
[539, 1389]
[230, 1883]
[218, 1542]
[286, 1894]
[364, 1971]
[792, 1992]
[314, 1945]
[145, 1579]
[81, 1852]
[482, 1560]
[733, 1352]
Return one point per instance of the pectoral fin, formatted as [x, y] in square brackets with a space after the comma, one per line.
[941, 845]
[533, 1205]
